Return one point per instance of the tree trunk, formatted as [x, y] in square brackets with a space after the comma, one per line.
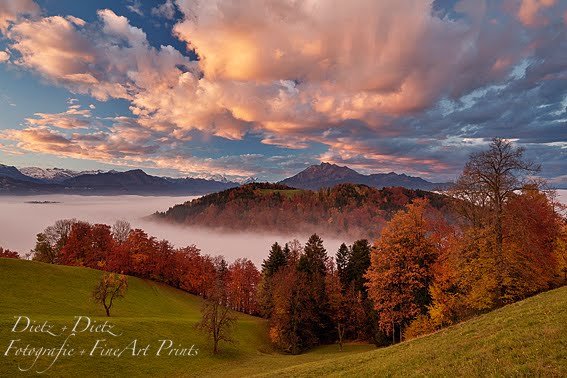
[341, 332]
[499, 257]
[393, 333]
[107, 310]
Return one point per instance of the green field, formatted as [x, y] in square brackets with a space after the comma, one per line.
[525, 339]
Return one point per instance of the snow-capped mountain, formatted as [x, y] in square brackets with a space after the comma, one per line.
[54, 175]
[247, 180]
[223, 178]
[217, 177]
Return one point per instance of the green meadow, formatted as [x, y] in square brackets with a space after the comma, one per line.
[528, 338]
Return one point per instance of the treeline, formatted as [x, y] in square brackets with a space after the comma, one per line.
[6, 253]
[120, 249]
[347, 210]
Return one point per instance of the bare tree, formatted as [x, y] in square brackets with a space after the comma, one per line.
[109, 288]
[488, 181]
[120, 230]
[50, 242]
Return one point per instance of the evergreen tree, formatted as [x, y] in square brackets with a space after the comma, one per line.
[314, 259]
[276, 259]
[359, 264]
[287, 252]
[313, 266]
[343, 262]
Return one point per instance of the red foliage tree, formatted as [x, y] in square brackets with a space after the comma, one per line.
[242, 282]
[87, 245]
[6, 253]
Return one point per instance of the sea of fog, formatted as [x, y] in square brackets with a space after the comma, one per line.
[20, 221]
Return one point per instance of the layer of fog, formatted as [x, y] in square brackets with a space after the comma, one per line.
[562, 196]
[21, 221]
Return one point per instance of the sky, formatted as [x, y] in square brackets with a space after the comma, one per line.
[266, 88]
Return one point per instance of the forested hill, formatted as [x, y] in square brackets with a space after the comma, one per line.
[349, 210]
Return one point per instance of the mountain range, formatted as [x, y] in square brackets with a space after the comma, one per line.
[328, 175]
[33, 180]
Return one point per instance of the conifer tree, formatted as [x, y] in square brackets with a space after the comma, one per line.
[343, 262]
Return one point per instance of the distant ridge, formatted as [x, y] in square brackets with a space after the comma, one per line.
[8, 171]
[328, 175]
[33, 180]
[136, 181]
[54, 175]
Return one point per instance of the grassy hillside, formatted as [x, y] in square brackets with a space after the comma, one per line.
[528, 338]
[525, 339]
[149, 313]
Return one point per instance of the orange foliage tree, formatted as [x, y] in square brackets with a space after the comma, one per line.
[401, 268]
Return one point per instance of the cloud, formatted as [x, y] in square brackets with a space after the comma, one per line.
[165, 10]
[135, 6]
[4, 56]
[119, 27]
[530, 11]
[127, 145]
[110, 61]
[12, 10]
[59, 50]
[73, 118]
[347, 60]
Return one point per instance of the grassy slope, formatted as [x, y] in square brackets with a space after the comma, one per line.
[525, 339]
[149, 312]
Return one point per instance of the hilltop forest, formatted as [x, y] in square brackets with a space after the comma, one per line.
[345, 210]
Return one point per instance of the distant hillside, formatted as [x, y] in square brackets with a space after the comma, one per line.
[134, 180]
[327, 175]
[138, 182]
[9, 185]
[346, 209]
